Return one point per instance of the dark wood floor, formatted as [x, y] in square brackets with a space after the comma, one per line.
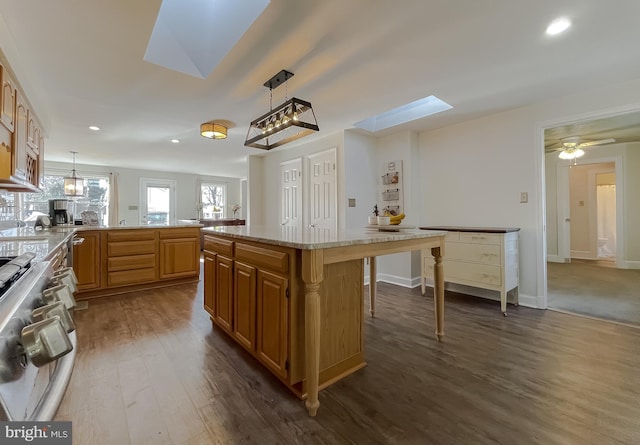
[151, 370]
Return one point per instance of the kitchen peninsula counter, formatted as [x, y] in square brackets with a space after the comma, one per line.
[294, 298]
[115, 260]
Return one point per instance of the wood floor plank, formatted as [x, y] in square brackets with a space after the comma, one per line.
[535, 377]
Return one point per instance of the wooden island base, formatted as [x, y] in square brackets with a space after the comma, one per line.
[298, 307]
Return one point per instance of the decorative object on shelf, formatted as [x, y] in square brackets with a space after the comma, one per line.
[213, 130]
[373, 219]
[391, 188]
[292, 120]
[234, 209]
[74, 184]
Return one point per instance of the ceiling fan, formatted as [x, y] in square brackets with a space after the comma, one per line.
[572, 148]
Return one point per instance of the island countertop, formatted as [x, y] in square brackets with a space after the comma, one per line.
[314, 238]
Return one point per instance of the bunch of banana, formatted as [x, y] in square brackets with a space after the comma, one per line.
[394, 220]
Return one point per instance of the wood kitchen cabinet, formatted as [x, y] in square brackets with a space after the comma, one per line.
[86, 264]
[244, 304]
[120, 260]
[224, 293]
[247, 295]
[272, 321]
[209, 282]
[8, 102]
[21, 142]
[179, 253]
[131, 256]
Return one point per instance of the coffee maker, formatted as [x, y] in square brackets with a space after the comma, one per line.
[58, 212]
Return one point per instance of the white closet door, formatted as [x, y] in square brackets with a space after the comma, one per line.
[322, 190]
[291, 188]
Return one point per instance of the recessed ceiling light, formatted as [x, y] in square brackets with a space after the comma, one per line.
[175, 141]
[94, 128]
[558, 26]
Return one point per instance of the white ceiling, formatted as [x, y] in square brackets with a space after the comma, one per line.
[81, 63]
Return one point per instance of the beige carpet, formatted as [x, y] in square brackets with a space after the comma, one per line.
[591, 288]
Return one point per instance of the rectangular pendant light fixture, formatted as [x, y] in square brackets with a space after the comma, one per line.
[289, 121]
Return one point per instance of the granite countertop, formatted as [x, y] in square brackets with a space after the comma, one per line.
[148, 226]
[311, 238]
[25, 239]
[473, 229]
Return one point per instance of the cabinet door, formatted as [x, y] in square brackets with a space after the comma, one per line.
[31, 131]
[273, 320]
[8, 103]
[209, 283]
[179, 258]
[224, 293]
[20, 139]
[41, 162]
[244, 305]
[86, 261]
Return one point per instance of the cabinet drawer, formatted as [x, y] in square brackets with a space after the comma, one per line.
[131, 248]
[266, 258]
[474, 253]
[468, 273]
[452, 236]
[218, 245]
[131, 262]
[131, 235]
[480, 238]
[124, 277]
[192, 232]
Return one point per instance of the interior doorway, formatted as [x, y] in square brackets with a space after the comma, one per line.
[592, 266]
[592, 207]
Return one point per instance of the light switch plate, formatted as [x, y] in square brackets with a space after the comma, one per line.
[352, 202]
[524, 197]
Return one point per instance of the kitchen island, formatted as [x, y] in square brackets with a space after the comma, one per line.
[294, 299]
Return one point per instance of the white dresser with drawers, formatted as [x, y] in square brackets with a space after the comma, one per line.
[485, 258]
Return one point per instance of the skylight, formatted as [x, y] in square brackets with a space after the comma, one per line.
[194, 36]
[404, 113]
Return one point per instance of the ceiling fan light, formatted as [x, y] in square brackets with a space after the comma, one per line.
[571, 153]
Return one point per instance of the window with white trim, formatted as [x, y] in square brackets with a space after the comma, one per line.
[213, 198]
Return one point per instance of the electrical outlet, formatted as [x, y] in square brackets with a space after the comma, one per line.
[352, 202]
[524, 197]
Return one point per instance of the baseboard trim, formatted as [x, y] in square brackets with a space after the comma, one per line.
[631, 264]
[582, 255]
[399, 281]
[556, 259]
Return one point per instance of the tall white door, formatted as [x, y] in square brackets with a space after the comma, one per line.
[322, 190]
[291, 187]
[157, 201]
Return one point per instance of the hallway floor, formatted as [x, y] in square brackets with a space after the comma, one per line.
[595, 289]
